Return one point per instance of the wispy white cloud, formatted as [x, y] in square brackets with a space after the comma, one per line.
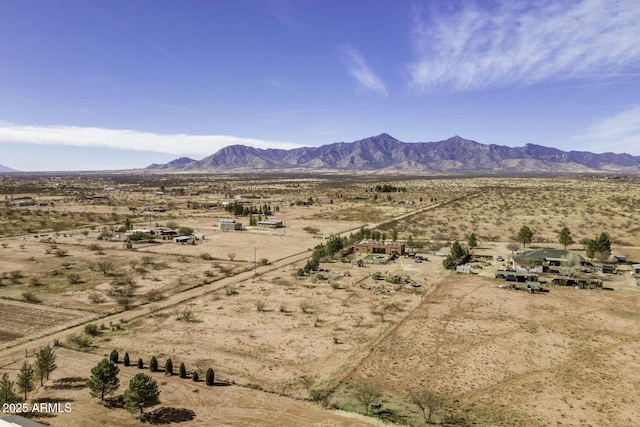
[619, 133]
[128, 139]
[360, 70]
[522, 42]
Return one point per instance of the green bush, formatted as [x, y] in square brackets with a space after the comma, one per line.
[153, 364]
[210, 377]
[92, 329]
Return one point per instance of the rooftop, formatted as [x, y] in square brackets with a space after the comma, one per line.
[543, 254]
[378, 242]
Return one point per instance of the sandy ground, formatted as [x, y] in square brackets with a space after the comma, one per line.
[504, 357]
[494, 356]
[193, 404]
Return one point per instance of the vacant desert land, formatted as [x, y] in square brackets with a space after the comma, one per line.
[295, 348]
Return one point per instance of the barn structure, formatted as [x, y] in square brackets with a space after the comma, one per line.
[378, 247]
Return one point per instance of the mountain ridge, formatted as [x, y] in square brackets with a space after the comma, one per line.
[6, 169]
[386, 153]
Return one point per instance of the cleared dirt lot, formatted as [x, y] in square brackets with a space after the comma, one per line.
[22, 319]
[504, 357]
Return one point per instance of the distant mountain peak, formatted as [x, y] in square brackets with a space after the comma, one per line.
[181, 161]
[176, 163]
[383, 152]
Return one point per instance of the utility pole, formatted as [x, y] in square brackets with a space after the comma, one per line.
[255, 263]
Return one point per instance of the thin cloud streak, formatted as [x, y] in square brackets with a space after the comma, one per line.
[521, 43]
[360, 70]
[128, 139]
[619, 133]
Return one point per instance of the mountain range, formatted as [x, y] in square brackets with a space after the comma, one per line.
[385, 153]
[6, 169]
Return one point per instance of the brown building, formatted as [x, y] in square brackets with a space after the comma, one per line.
[377, 247]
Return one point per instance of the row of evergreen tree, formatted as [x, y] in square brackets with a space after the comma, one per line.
[168, 367]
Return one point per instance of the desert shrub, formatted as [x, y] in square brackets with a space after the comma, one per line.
[206, 256]
[154, 295]
[123, 281]
[96, 298]
[185, 314]
[366, 393]
[263, 261]
[92, 329]
[230, 290]
[319, 395]
[106, 267]
[74, 278]
[34, 281]
[153, 364]
[82, 342]
[209, 377]
[61, 252]
[15, 276]
[261, 305]
[30, 297]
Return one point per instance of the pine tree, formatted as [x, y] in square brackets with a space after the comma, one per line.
[183, 370]
[153, 364]
[564, 237]
[7, 394]
[126, 361]
[210, 377]
[168, 367]
[45, 363]
[525, 235]
[104, 378]
[25, 379]
[473, 241]
[114, 356]
[194, 377]
[143, 391]
[140, 363]
[603, 243]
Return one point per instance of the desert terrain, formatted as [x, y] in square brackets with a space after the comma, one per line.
[295, 347]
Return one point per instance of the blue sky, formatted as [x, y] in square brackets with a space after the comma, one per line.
[115, 84]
